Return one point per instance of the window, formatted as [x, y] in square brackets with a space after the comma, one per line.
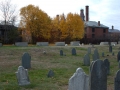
[104, 30]
[93, 35]
[93, 29]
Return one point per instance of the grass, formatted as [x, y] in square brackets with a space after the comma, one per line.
[63, 66]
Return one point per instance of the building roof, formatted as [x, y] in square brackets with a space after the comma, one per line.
[114, 30]
[94, 24]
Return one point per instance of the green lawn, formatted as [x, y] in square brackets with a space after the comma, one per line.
[63, 66]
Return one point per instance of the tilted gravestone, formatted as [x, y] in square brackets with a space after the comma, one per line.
[86, 60]
[26, 61]
[22, 76]
[118, 56]
[50, 74]
[79, 80]
[110, 48]
[117, 81]
[73, 51]
[98, 76]
[89, 50]
[61, 52]
[107, 65]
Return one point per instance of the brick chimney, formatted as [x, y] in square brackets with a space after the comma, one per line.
[112, 27]
[98, 23]
[87, 13]
[82, 14]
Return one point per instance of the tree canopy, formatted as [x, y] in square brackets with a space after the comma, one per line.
[35, 21]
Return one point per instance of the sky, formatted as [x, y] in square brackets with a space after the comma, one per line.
[105, 11]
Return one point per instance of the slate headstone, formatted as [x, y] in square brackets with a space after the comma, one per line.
[89, 50]
[110, 48]
[118, 56]
[107, 65]
[22, 76]
[73, 51]
[79, 80]
[117, 81]
[86, 60]
[26, 61]
[95, 55]
[50, 74]
[61, 52]
[98, 76]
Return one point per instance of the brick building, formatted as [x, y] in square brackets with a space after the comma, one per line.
[95, 32]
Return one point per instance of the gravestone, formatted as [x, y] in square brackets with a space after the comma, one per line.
[73, 51]
[26, 61]
[98, 76]
[95, 55]
[118, 56]
[107, 64]
[50, 74]
[117, 81]
[110, 48]
[22, 76]
[102, 54]
[86, 60]
[79, 80]
[61, 52]
[89, 50]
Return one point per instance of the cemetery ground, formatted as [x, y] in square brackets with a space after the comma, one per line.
[62, 66]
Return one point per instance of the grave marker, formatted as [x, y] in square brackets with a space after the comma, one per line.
[79, 80]
[22, 76]
[117, 81]
[26, 61]
[98, 76]
[107, 64]
[73, 51]
[86, 60]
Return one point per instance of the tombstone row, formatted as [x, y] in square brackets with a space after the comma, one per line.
[97, 80]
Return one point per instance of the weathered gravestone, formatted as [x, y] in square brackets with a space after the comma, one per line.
[118, 56]
[61, 52]
[86, 60]
[50, 74]
[73, 51]
[117, 81]
[79, 80]
[98, 76]
[26, 61]
[95, 55]
[22, 76]
[89, 50]
[107, 65]
[110, 48]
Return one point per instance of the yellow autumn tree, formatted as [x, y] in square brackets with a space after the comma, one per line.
[75, 26]
[35, 21]
[70, 27]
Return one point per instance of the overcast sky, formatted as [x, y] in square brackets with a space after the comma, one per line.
[105, 11]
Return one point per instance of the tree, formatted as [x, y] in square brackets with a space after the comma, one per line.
[8, 14]
[35, 21]
[71, 27]
[75, 26]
